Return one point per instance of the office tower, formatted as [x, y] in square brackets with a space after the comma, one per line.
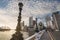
[56, 20]
[31, 21]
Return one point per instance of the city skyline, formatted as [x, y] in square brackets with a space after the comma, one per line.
[9, 10]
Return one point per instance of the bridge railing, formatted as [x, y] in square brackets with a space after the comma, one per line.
[36, 36]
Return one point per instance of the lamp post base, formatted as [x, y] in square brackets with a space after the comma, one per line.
[17, 36]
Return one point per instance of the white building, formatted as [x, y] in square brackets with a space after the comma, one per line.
[31, 21]
[49, 22]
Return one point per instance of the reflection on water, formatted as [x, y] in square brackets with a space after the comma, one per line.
[6, 35]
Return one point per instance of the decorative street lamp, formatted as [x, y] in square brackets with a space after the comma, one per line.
[18, 28]
[18, 35]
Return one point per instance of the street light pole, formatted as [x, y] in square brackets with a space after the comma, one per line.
[36, 26]
[18, 35]
[18, 28]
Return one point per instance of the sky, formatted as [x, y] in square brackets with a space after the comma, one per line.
[9, 10]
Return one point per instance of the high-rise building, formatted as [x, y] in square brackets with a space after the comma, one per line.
[48, 21]
[31, 30]
[56, 20]
[22, 25]
[34, 22]
[31, 21]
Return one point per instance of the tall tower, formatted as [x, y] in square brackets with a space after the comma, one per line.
[56, 20]
[31, 21]
[48, 21]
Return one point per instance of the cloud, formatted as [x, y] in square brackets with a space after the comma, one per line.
[35, 8]
[6, 19]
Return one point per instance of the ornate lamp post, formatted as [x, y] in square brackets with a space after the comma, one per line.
[18, 35]
[18, 28]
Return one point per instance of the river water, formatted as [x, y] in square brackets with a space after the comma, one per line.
[6, 35]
